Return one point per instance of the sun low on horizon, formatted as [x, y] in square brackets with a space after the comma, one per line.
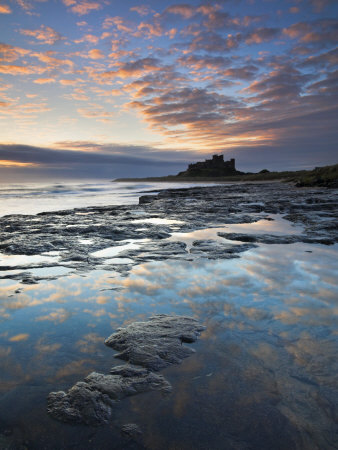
[108, 88]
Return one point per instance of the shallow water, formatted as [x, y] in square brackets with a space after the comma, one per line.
[264, 374]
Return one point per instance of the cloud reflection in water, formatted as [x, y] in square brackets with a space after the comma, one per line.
[270, 343]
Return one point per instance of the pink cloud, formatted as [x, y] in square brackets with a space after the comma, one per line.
[261, 35]
[149, 30]
[142, 10]
[119, 23]
[297, 29]
[185, 11]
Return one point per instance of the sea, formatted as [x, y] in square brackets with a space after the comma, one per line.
[264, 375]
[33, 198]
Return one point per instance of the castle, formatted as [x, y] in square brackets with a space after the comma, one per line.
[215, 167]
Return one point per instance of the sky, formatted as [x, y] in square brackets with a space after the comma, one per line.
[108, 88]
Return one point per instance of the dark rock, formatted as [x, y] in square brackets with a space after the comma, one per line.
[157, 343]
[154, 344]
[262, 238]
[217, 250]
[132, 430]
[91, 401]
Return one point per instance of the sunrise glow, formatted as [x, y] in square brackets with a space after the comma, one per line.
[165, 82]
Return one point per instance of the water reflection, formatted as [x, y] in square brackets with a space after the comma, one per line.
[266, 366]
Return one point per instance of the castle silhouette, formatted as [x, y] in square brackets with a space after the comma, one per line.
[215, 167]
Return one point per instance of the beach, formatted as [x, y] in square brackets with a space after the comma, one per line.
[253, 264]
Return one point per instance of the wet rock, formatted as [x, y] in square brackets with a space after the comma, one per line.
[261, 238]
[276, 239]
[157, 343]
[154, 344]
[131, 430]
[216, 250]
[154, 251]
[91, 401]
[314, 209]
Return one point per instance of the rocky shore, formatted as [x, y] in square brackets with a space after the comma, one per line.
[73, 239]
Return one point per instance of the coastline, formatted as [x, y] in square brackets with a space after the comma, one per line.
[320, 176]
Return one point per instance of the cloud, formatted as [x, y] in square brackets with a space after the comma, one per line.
[285, 82]
[119, 23]
[320, 5]
[19, 337]
[9, 53]
[5, 9]
[261, 35]
[241, 73]
[56, 316]
[89, 153]
[134, 68]
[88, 38]
[329, 58]
[185, 11]
[82, 8]
[65, 82]
[23, 111]
[142, 10]
[149, 30]
[44, 34]
[95, 54]
[322, 32]
[96, 112]
[21, 70]
[214, 43]
[44, 80]
[198, 62]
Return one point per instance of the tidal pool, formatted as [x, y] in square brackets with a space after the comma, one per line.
[264, 375]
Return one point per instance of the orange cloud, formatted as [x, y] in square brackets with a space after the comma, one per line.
[7, 163]
[20, 70]
[88, 38]
[5, 9]
[8, 53]
[19, 337]
[96, 113]
[46, 35]
[82, 7]
[51, 61]
[68, 82]
[44, 80]
[95, 54]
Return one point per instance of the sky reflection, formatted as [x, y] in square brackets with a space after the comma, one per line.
[270, 342]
